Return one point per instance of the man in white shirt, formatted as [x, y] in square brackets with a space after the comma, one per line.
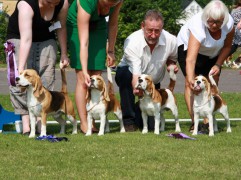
[146, 51]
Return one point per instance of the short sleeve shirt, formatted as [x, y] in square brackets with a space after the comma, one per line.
[138, 57]
[209, 46]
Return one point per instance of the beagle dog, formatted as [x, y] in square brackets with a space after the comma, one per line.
[41, 102]
[100, 101]
[208, 102]
[154, 102]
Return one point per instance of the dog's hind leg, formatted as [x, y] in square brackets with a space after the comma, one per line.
[62, 123]
[162, 119]
[215, 124]
[74, 123]
[175, 114]
[224, 112]
[107, 126]
[118, 114]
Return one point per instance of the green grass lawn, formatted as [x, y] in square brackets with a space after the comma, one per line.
[127, 155]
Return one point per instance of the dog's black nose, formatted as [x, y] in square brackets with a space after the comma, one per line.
[17, 78]
[198, 82]
[140, 80]
[92, 80]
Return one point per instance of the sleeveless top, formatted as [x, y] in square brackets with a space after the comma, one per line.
[97, 21]
[40, 27]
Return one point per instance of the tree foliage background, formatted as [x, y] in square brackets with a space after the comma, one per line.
[131, 15]
[3, 32]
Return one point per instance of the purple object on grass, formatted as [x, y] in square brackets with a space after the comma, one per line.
[180, 136]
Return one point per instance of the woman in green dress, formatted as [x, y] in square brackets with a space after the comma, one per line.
[88, 32]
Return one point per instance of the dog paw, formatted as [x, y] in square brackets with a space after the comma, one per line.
[194, 133]
[88, 133]
[229, 130]
[144, 131]
[211, 134]
[157, 132]
[31, 136]
[123, 130]
[178, 129]
[100, 134]
[74, 132]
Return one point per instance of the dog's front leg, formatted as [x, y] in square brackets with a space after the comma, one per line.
[211, 131]
[144, 118]
[196, 122]
[33, 120]
[215, 124]
[89, 120]
[102, 124]
[43, 124]
[157, 123]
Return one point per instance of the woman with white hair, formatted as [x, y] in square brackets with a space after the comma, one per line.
[204, 42]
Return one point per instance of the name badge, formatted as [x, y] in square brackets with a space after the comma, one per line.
[54, 26]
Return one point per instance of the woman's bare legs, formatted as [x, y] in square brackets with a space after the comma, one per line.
[80, 98]
[189, 99]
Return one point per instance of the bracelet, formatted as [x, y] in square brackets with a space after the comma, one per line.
[218, 66]
[111, 52]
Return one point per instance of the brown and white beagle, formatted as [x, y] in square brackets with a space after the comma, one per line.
[100, 101]
[42, 102]
[208, 102]
[155, 102]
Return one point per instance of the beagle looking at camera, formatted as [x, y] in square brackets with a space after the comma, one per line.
[42, 102]
[154, 102]
[100, 101]
[208, 102]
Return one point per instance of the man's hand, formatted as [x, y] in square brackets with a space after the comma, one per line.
[110, 59]
[64, 61]
[175, 68]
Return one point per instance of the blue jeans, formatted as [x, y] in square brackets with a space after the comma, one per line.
[130, 110]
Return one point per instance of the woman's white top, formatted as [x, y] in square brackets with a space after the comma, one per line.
[209, 46]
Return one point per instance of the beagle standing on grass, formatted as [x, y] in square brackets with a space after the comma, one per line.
[100, 101]
[42, 102]
[154, 102]
[208, 102]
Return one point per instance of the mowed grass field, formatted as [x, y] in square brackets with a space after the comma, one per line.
[127, 155]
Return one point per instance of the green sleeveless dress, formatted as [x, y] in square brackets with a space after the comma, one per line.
[97, 36]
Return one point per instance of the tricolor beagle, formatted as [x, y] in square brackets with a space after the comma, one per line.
[154, 102]
[208, 102]
[42, 102]
[100, 101]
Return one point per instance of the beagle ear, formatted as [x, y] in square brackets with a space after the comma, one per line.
[88, 94]
[38, 87]
[208, 88]
[152, 90]
[105, 92]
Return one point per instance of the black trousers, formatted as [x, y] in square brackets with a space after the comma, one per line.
[130, 110]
